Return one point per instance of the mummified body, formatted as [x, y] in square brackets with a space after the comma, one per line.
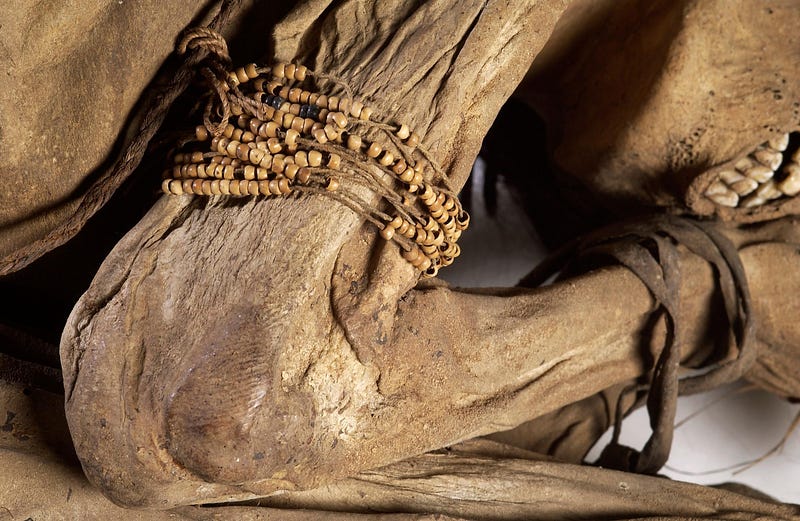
[231, 349]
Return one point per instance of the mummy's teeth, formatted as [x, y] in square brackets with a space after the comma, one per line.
[758, 177]
[729, 199]
[769, 158]
[760, 173]
[730, 176]
[791, 184]
[779, 143]
[745, 186]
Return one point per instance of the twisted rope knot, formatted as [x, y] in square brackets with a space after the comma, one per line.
[207, 40]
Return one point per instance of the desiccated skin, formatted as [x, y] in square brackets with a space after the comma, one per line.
[228, 351]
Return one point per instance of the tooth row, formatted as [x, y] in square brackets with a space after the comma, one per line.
[753, 181]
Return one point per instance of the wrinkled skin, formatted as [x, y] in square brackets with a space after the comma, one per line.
[284, 345]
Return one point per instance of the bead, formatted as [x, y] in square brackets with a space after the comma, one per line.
[278, 70]
[287, 120]
[374, 150]
[300, 72]
[233, 80]
[432, 271]
[411, 255]
[417, 180]
[225, 187]
[289, 70]
[242, 151]
[397, 222]
[331, 133]
[399, 167]
[424, 265]
[404, 229]
[334, 161]
[176, 187]
[252, 187]
[333, 103]
[301, 158]
[249, 172]
[387, 158]
[165, 185]
[201, 133]
[274, 145]
[278, 163]
[235, 187]
[320, 136]
[262, 172]
[462, 221]
[403, 132]
[294, 109]
[387, 232]
[251, 71]
[413, 140]
[215, 187]
[344, 106]
[407, 176]
[283, 186]
[332, 185]
[314, 158]
[322, 115]
[291, 137]
[268, 129]
[313, 97]
[366, 113]
[321, 101]
[308, 124]
[255, 155]
[241, 75]
[186, 184]
[339, 119]
[291, 171]
[303, 174]
[356, 108]
[263, 188]
[304, 95]
[353, 142]
[297, 124]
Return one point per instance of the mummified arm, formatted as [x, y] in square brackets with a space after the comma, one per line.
[227, 348]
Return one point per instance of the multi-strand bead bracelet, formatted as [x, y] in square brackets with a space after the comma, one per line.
[275, 137]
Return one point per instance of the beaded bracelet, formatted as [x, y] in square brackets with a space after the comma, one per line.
[276, 138]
